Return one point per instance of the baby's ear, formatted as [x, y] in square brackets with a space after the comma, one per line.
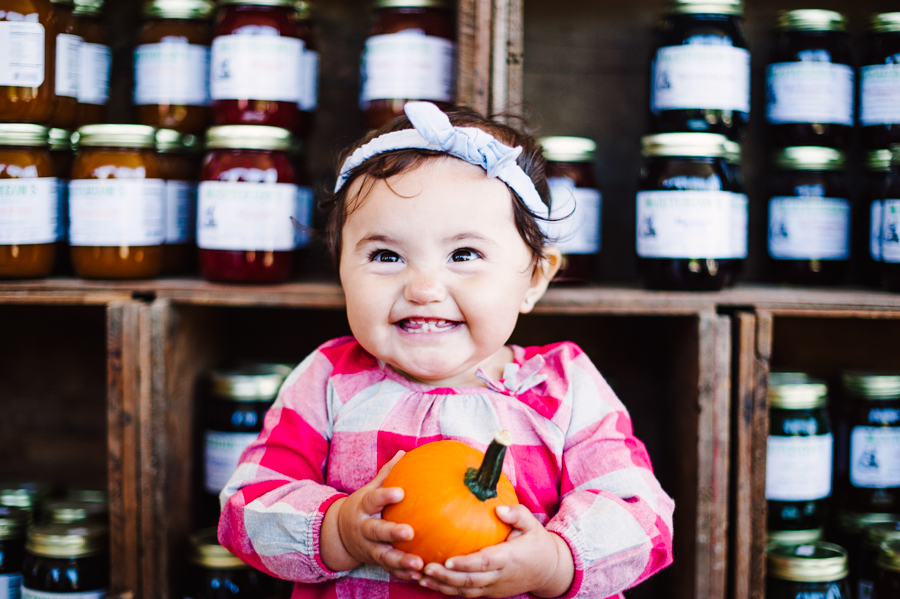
[544, 271]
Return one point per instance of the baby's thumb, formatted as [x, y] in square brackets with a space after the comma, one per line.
[385, 470]
[517, 516]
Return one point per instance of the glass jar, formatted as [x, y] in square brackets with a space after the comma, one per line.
[29, 203]
[809, 84]
[887, 580]
[308, 101]
[701, 70]
[64, 559]
[13, 522]
[249, 191]
[117, 204]
[180, 158]
[27, 495]
[62, 155]
[64, 511]
[799, 453]
[809, 217]
[890, 226]
[27, 84]
[68, 65]
[215, 573]
[691, 214]
[879, 111]
[171, 65]
[576, 203]
[867, 218]
[813, 570]
[96, 62]
[410, 55]
[849, 534]
[875, 535]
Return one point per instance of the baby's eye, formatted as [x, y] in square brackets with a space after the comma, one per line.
[464, 255]
[384, 256]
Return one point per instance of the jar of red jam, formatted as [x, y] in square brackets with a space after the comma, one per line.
[96, 62]
[309, 70]
[249, 193]
[867, 218]
[171, 65]
[68, 65]
[117, 204]
[887, 578]
[576, 204]
[27, 49]
[66, 560]
[179, 156]
[410, 55]
[890, 226]
[879, 92]
[809, 84]
[29, 203]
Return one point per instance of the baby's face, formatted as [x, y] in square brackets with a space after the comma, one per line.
[436, 273]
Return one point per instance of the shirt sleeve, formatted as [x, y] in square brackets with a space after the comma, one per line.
[613, 514]
[275, 502]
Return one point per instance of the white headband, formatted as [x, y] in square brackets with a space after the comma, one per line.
[433, 131]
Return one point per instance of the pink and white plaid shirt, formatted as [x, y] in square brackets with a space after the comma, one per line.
[342, 414]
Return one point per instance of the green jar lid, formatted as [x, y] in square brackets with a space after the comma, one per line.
[61, 140]
[248, 137]
[713, 7]
[889, 556]
[13, 522]
[811, 19]
[701, 145]
[169, 141]
[811, 562]
[257, 382]
[88, 495]
[879, 532]
[878, 161]
[179, 9]
[872, 385]
[117, 136]
[795, 537]
[568, 149]
[809, 158]
[856, 522]
[796, 391]
[23, 135]
[69, 512]
[886, 22]
[28, 495]
[88, 8]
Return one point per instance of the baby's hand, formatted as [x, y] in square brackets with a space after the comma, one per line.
[530, 560]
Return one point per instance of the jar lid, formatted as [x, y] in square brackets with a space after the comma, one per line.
[206, 551]
[878, 161]
[13, 521]
[169, 141]
[886, 22]
[304, 10]
[895, 154]
[856, 522]
[68, 512]
[809, 158]
[256, 382]
[811, 562]
[796, 391]
[67, 540]
[61, 140]
[88, 495]
[712, 7]
[733, 152]
[413, 4]
[872, 385]
[889, 556]
[257, 2]
[568, 149]
[179, 9]
[23, 134]
[117, 136]
[248, 137]
[708, 145]
[795, 537]
[27, 495]
[63, 2]
[88, 8]
[878, 532]
[811, 19]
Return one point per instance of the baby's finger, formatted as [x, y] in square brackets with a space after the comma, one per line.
[382, 474]
[382, 531]
[374, 501]
[486, 560]
[450, 582]
[394, 560]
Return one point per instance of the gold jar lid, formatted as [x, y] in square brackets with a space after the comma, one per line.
[88, 8]
[69, 512]
[811, 562]
[13, 522]
[889, 556]
[207, 552]
[248, 137]
[795, 537]
[257, 2]
[809, 158]
[169, 141]
[445, 4]
[67, 540]
[811, 19]
[704, 145]
[886, 22]
[712, 7]
[117, 136]
[23, 134]
[856, 522]
[561, 148]
[796, 391]
[179, 9]
[879, 532]
[28, 495]
[878, 161]
[257, 382]
[872, 385]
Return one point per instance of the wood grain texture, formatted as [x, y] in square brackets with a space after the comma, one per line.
[760, 429]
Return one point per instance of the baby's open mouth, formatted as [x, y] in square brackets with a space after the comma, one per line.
[426, 325]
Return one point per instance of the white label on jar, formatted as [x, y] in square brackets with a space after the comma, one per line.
[32, 594]
[875, 230]
[181, 209]
[809, 92]
[875, 457]
[798, 468]
[691, 224]
[701, 76]
[96, 60]
[880, 94]
[809, 228]
[29, 211]
[309, 80]
[246, 216]
[890, 231]
[408, 65]
[221, 453]
[259, 67]
[579, 208]
[171, 72]
[68, 64]
[10, 586]
[117, 212]
[21, 53]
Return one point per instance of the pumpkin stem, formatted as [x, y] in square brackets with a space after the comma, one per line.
[483, 482]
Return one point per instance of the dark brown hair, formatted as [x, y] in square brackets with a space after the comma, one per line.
[338, 206]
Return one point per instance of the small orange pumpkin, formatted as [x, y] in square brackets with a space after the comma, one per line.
[450, 494]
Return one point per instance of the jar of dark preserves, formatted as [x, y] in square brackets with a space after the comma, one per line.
[27, 495]
[867, 218]
[875, 535]
[96, 62]
[216, 573]
[12, 550]
[180, 157]
[248, 194]
[117, 209]
[887, 581]
[809, 84]
[171, 65]
[691, 214]
[812, 570]
[701, 70]
[67, 511]
[850, 533]
[890, 226]
[27, 57]
[410, 55]
[65, 559]
[576, 205]
[68, 65]
[309, 72]
[809, 217]
[879, 111]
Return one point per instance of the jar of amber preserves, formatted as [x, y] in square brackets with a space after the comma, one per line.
[12, 550]
[64, 560]
[65, 511]
[879, 111]
[68, 65]
[29, 203]
[214, 572]
[867, 218]
[809, 84]
[875, 535]
[887, 580]
[171, 65]
[410, 55]
[309, 70]
[691, 216]
[701, 70]
[249, 192]
[96, 62]
[812, 570]
[117, 204]
[890, 226]
[180, 157]
[27, 57]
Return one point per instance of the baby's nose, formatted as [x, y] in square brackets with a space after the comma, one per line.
[424, 288]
